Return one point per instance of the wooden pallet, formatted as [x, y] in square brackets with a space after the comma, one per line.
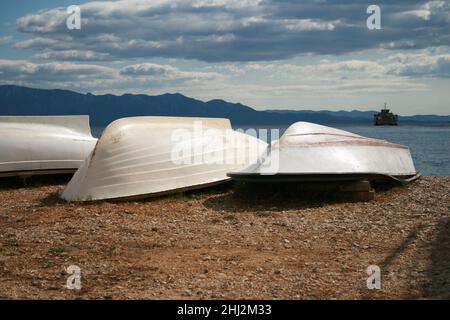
[356, 191]
[359, 190]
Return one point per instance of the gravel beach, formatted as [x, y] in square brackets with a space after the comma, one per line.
[225, 243]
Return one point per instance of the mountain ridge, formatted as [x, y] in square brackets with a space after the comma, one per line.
[103, 109]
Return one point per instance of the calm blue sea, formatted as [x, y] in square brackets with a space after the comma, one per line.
[429, 143]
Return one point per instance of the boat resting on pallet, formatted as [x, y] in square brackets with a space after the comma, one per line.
[310, 152]
[36, 145]
[148, 156]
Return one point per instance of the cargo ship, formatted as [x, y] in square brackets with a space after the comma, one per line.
[385, 117]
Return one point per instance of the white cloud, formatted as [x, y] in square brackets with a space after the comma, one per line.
[412, 65]
[43, 21]
[166, 72]
[309, 25]
[93, 77]
[351, 65]
[420, 65]
[5, 40]
[72, 55]
[219, 30]
[43, 43]
[54, 71]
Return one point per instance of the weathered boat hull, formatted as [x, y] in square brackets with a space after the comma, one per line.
[310, 152]
[33, 145]
[148, 156]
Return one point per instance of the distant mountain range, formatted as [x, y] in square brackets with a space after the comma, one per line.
[102, 109]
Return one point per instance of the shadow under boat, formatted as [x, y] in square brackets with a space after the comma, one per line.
[31, 181]
[256, 197]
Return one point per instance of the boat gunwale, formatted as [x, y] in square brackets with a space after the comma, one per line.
[320, 177]
[39, 172]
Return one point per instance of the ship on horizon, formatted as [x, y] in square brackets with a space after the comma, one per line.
[385, 117]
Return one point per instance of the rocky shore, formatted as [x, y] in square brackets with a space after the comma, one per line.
[225, 243]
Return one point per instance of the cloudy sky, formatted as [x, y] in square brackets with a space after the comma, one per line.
[312, 54]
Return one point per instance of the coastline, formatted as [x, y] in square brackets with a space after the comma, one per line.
[220, 243]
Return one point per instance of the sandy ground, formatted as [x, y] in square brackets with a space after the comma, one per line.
[225, 243]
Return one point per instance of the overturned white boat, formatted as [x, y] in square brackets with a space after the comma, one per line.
[33, 145]
[147, 156]
[312, 152]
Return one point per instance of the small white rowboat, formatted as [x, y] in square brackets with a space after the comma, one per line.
[148, 156]
[33, 145]
[311, 152]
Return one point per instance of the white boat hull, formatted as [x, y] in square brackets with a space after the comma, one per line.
[309, 152]
[43, 145]
[145, 156]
